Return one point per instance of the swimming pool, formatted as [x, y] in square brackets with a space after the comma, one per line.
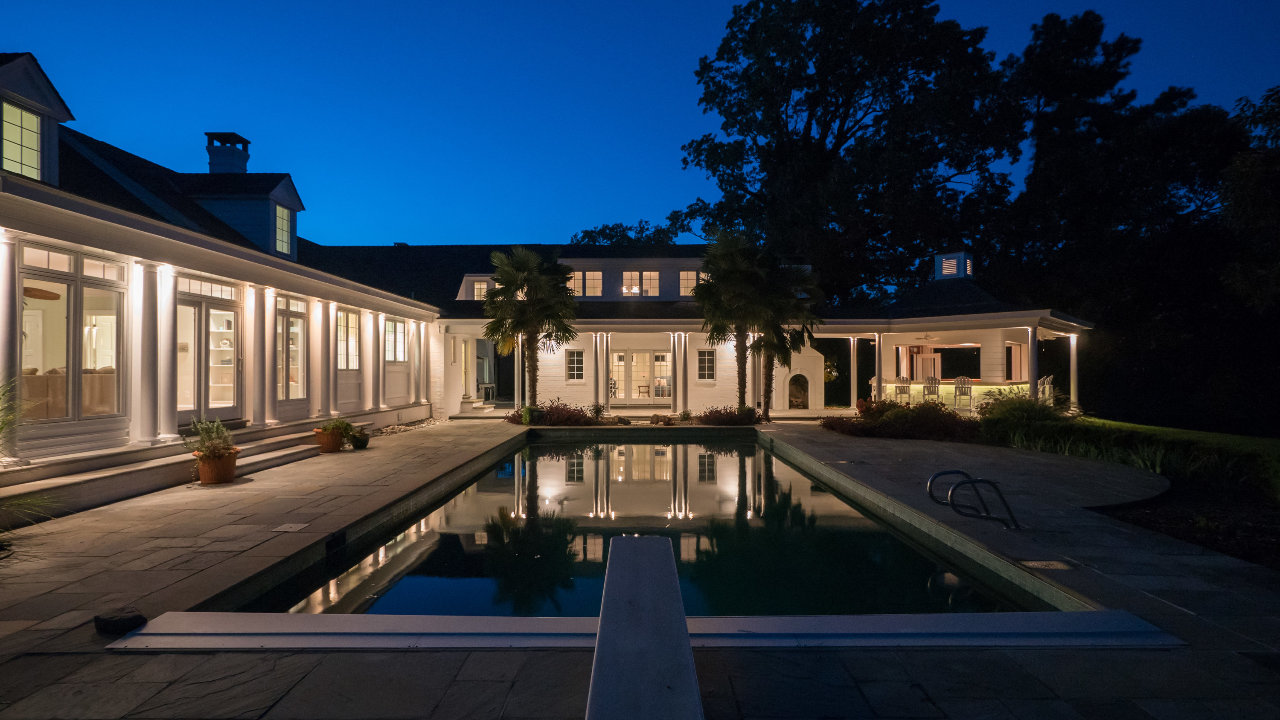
[751, 534]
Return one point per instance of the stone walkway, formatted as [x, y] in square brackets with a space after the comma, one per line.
[175, 549]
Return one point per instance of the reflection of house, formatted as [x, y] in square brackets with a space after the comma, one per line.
[133, 297]
[640, 346]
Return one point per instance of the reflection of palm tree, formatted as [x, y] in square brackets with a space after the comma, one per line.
[530, 557]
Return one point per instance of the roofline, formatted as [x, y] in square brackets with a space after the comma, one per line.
[27, 190]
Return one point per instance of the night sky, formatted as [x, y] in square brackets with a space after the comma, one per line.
[495, 122]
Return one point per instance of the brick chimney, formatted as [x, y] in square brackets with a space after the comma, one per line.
[228, 152]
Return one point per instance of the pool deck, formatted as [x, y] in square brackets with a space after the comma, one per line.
[176, 549]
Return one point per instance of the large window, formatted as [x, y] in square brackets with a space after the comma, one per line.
[688, 278]
[21, 141]
[573, 361]
[594, 283]
[284, 230]
[706, 364]
[575, 283]
[291, 348]
[649, 283]
[71, 341]
[397, 347]
[348, 340]
[479, 289]
[630, 283]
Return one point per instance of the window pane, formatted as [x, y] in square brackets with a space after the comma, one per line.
[44, 350]
[222, 358]
[187, 354]
[100, 337]
[650, 283]
[595, 282]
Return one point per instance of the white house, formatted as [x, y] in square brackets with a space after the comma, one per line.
[641, 349]
[134, 298]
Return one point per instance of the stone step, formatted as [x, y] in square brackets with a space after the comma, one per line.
[73, 493]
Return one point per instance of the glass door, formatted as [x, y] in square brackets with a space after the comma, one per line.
[222, 378]
[208, 362]
[641, 382]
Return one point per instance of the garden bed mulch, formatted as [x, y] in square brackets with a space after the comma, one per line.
[1239, 528]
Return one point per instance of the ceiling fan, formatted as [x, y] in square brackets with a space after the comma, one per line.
[928, 338]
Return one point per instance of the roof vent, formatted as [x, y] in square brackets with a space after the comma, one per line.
[228, 152]
[952, 265]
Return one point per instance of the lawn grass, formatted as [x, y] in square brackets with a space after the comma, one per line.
[1266, 448]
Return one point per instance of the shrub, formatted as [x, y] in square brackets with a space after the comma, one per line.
[873, 410]
[596, 410]
[686, 416]
[554, 412]
[623, 421]
[210, 438]
[925, 421]
[1003, 417]
[742, 415]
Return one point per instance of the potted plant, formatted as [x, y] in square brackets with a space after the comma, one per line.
[214, 449]
[359, 438]
[331, 434]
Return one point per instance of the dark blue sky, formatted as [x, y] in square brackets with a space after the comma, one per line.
[495, 122]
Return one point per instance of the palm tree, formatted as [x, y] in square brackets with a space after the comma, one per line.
[786, 317]
[729, 296]
[531, 304]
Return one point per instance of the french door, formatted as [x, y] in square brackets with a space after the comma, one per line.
[640, 377]
[209, 362]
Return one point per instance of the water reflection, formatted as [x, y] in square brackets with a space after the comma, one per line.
[751, 536]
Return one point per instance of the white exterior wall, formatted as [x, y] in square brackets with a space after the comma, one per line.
[553, 374]
[721, 392]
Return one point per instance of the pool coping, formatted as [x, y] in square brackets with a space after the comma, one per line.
[223, 631]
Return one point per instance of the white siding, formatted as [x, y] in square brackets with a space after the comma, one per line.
[553, 382]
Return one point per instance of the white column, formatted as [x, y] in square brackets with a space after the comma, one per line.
[167, 354]
[879, 389]
[519, 398]
[255, 375]
[328, 358]
[331, 315]
[1075, 378]
[368, 360]
[380, 361]
[1033, 364]
[853, 372]
[146, 369]
[675, 373]
[10, 325]
[424, 370]
[270, 369]
[608, 369]
[595, 368]
[684, 364]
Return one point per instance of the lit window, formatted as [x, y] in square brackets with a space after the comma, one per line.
[21, 141]
[688, 278]
[650, 283]
[196, 286]
[630, 283]
[103, 270]
[949, 266]
[284, 233]
[479, 288]
[348, 340]
[291, 348]
[573, 361]
[46, 259]
[595, 284]
[575, 283]
[706, 364]
[706, 468]
[397, 351]
[573, 470]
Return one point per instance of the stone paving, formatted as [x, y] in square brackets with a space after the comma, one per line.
[174, 549]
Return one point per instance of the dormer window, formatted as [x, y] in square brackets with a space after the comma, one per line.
[21, 141]
[284, 230]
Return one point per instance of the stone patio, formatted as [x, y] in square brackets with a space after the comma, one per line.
[176, 549]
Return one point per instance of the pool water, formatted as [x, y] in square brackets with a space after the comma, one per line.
[751, 535]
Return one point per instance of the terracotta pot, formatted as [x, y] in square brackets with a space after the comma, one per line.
[216, 471]
[330, 441]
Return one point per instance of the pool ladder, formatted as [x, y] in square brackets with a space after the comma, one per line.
[980, 510]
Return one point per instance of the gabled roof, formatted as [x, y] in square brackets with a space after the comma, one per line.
[278, 186]
[22, 78]
[432, 273]
[954, 296]
[104, 173]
